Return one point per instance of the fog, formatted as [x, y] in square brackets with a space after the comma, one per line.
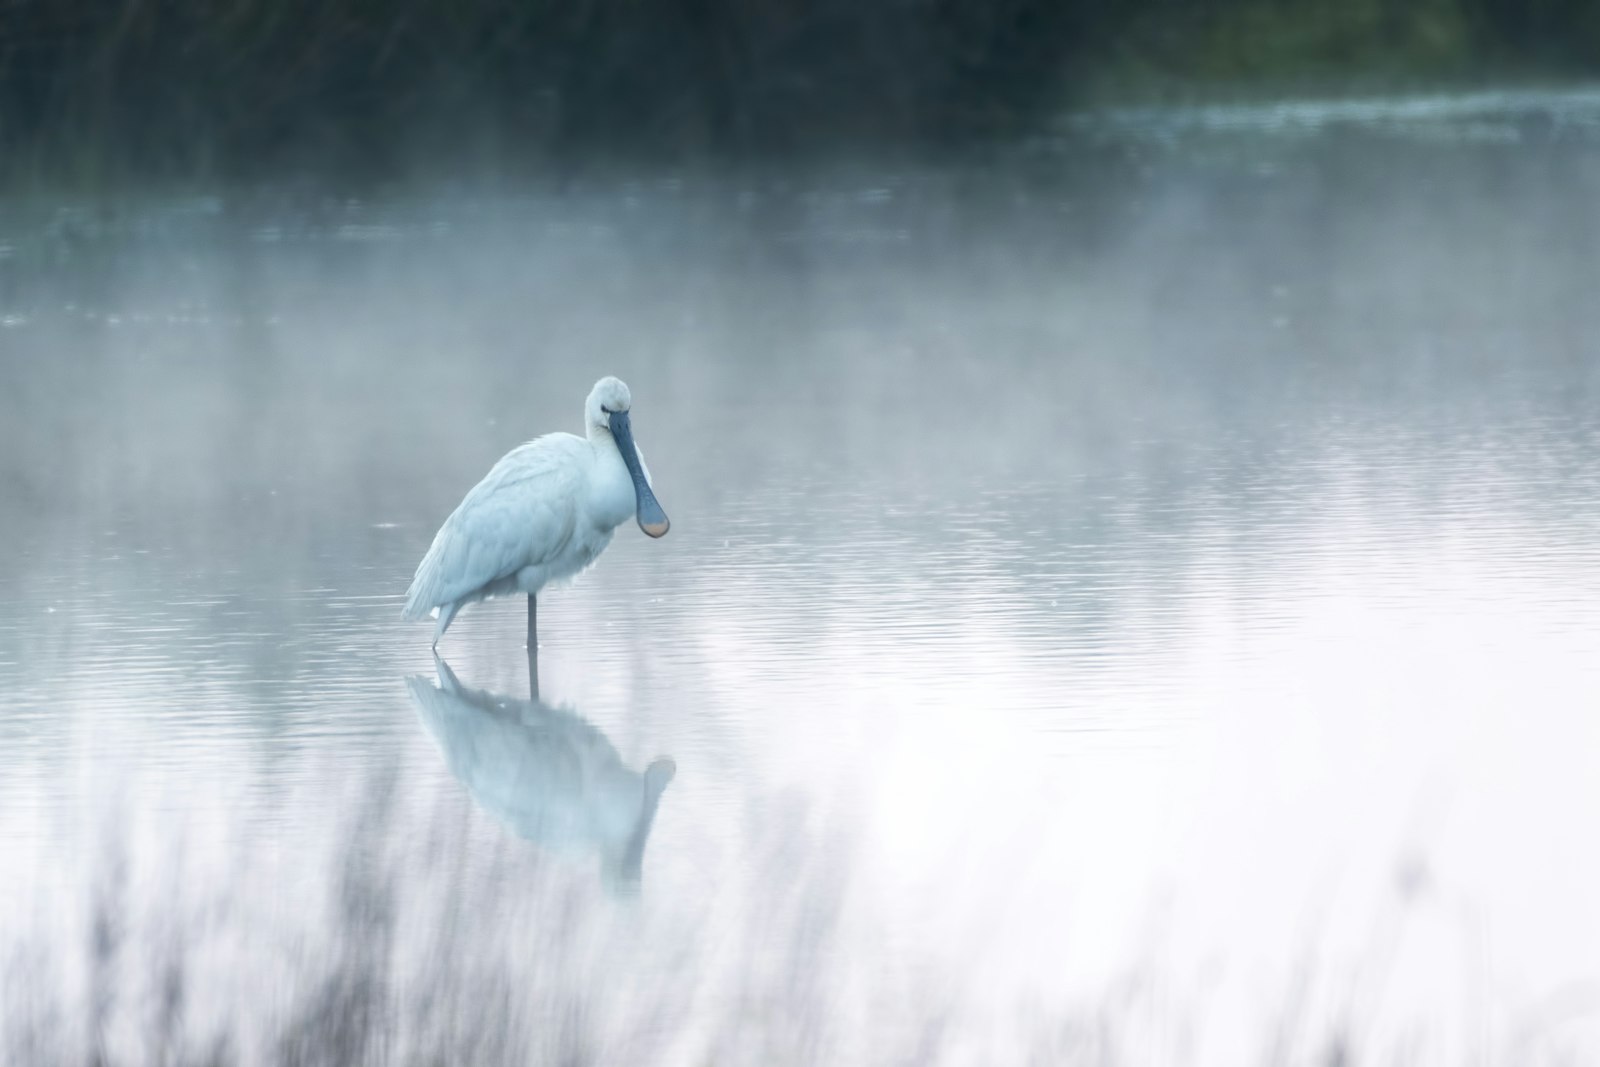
[1133, 596]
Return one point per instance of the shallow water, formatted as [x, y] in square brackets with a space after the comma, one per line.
[1131, 598]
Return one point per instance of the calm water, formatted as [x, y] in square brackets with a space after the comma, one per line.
[1134, 598]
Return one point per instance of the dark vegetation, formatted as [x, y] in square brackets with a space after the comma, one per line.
[101, 89]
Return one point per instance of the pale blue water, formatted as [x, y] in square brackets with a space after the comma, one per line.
[1128, 598]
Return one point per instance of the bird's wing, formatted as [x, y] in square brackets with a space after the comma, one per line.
[523, 513]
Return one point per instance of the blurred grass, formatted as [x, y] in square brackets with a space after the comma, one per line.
[407, 947]
[411, 948]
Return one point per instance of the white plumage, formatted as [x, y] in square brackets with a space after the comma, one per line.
[542, 514]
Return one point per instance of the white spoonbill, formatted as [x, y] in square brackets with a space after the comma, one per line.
[541, 514]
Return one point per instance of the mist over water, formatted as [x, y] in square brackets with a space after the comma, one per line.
[1131, 597]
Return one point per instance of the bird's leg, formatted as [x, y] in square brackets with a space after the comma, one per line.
[533, 648]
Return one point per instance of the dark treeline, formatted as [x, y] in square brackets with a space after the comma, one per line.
[218, 87]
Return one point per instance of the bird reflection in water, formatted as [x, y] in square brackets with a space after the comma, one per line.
[548, 775]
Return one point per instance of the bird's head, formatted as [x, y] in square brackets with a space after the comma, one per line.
[608, 395]
[607, 411]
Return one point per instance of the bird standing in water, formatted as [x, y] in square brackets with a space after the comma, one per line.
[541, 515]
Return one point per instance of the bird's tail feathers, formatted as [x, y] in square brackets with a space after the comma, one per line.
[419, 598]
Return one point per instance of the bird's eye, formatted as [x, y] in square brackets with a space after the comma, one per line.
[607, 410]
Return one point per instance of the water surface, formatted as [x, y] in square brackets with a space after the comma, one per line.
[1136, 597]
